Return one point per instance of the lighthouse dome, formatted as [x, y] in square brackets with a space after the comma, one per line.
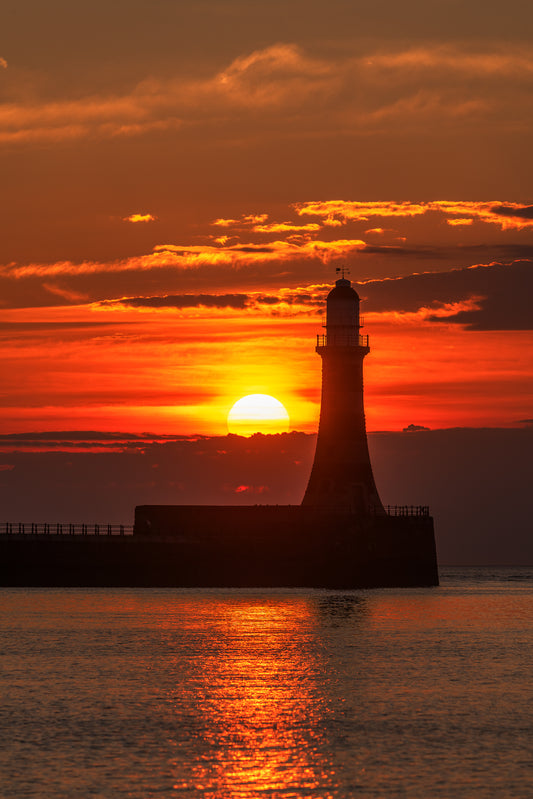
[343, 291]
[343, 309]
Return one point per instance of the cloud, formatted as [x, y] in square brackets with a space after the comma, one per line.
[287, 227]
[3, 63]
[246, 489]
[503, 308]
[515, 211]
[246, 220]
[258, 224]
[225, 222]
[433, 83]
[497, 295]
[459, 222]
[139, 218]
[341, 211]
[62, 120]
[279, 250]
[310, 298]
[66, 293]
[173, 256]
[403, 252]
[453, 58]
[83, 440]
[506, 215]
[414, 428]
[436, 86]
[14, 328]
[183, 301]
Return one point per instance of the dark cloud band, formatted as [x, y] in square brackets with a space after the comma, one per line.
[502, 292]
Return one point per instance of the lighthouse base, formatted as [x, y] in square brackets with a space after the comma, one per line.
[290, 546]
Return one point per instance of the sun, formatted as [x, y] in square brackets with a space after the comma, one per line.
[258, 413]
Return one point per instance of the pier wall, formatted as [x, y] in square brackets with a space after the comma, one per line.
[220, 547]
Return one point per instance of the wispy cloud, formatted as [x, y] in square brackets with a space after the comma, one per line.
[440, 86]
[454, 58]
[66, 293]
[3, 63]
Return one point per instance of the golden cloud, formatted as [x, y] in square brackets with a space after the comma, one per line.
[254, 219]
[506, 215]
[246, 220]
[225, 222]
[175, 256]
[139, 218]
[337, 212]
[425, 313]
[287, 227]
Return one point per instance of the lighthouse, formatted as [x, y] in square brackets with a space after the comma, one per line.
[341, 478]
[340, 537]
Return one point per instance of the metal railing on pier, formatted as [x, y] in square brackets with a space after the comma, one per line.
[407, 510]
[341, 340]
[58, 528]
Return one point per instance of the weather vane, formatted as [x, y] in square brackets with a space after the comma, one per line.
[343, 270]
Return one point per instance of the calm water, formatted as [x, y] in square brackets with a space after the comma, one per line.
[237, 694]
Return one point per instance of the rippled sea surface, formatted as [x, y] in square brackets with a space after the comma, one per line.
[237, 694]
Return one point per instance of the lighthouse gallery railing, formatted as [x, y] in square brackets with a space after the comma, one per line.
[341, 340]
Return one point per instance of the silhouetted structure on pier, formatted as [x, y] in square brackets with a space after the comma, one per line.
[341, 536]
[341, 477]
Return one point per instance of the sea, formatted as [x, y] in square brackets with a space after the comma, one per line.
[235, 694]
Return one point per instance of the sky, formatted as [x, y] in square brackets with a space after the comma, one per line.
[180, 181]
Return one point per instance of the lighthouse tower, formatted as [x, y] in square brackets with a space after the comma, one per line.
[341, 478]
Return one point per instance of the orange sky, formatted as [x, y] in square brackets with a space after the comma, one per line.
[181, 181]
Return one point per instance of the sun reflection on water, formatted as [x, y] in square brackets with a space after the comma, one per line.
[263, 714]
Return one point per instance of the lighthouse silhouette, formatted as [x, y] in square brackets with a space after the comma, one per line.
[341, 477]
[340, 536]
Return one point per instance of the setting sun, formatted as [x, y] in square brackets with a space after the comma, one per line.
[258, 413]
